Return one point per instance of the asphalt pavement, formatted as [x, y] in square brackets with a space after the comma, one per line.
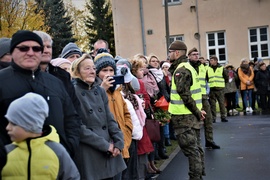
[244, 153]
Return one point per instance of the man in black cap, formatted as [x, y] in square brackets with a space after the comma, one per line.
[23, 76]
[185, 107]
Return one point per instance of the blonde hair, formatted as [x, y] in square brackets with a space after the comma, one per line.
[152, 56]
[75, 65]
[136, 64]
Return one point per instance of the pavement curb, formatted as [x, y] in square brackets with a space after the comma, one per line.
[167, 161]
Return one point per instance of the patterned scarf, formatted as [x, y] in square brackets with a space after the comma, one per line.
[245, 68]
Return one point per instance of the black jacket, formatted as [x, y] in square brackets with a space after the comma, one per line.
[262, 82]
[16, 82]
[64, 76]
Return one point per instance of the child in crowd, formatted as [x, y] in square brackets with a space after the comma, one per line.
[35, 152]
[123, 69]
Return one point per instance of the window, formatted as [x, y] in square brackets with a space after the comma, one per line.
[177, 37]
[259, 42]
[216, 45]
[173, 2]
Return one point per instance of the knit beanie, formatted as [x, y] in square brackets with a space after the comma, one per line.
[4, 46]
[24, 35]
[59, 61]
[28, 112]
[70, 49]
[104, 60]
[178, 45]
[166, 64]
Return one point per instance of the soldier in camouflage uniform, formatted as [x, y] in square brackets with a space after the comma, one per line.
[185, 107]
[217, 76]
[193, 56]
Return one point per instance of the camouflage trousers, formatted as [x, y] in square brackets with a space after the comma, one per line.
[208, 121]
[215, 96]
[189, 141]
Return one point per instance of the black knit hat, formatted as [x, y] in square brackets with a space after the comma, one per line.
[24, 35]
[104, 60]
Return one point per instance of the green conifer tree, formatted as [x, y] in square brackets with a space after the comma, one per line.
[59, 24]
[99, 24]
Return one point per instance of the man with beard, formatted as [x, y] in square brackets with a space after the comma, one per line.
[185, 107]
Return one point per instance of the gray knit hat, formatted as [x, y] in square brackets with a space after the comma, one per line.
[4, 46]
[104, 60]
[70, 49]
[28, 112]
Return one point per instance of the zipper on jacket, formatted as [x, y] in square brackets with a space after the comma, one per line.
[33, 74]
[29, 160]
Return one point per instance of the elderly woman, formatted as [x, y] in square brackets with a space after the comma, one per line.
[101, 143]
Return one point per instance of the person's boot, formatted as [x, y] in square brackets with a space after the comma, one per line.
[211, 145]
[167, 142]
[153, 166]
[224, 120]
[157, 157]
[150, 170]
[162, 154]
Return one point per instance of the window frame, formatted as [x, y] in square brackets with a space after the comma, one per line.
[172, 3]
[217, 47]
[180, 37]
[258, 42]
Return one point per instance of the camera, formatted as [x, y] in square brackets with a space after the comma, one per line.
[119, 79]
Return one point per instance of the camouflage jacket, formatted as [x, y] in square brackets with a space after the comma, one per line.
[183, 81]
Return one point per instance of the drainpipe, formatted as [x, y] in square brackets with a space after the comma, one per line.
[198, 26]
[167, 25]
[142, 27]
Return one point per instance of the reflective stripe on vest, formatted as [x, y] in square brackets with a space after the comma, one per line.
[176, 105]
[202, 76]
[215, 78]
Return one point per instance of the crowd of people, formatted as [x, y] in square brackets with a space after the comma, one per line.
[83, 115]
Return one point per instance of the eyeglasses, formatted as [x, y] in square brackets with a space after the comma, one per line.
[27, 48]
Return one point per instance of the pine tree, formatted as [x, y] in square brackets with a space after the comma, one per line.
[59, 24]
[99, 23]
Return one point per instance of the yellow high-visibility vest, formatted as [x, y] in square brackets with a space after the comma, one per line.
[176, 105]
[202, 77]
[215, 78]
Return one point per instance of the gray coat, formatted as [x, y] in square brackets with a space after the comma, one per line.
[98, 130]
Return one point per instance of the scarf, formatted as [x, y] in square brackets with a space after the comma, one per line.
[150, 83]
[245, 68]
[158, 74]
